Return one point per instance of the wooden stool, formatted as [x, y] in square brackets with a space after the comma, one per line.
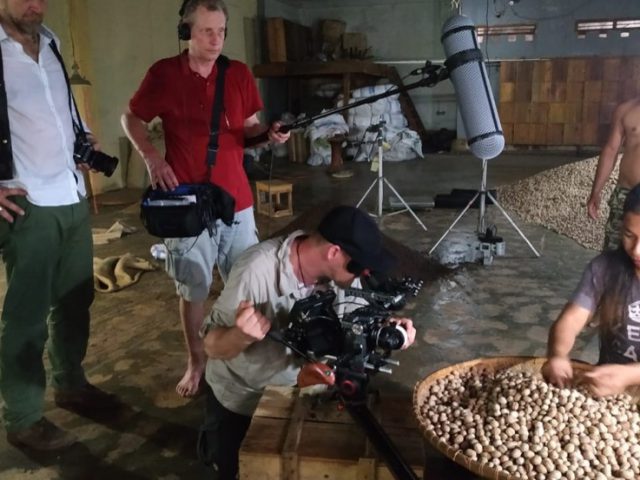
[274, 197]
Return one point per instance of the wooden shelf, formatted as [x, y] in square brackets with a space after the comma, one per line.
[351, 72]
[315, 69]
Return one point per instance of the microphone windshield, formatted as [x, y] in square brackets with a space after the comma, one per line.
[471, 84]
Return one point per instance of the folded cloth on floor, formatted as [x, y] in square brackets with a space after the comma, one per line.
[102, 236]
[115, 273]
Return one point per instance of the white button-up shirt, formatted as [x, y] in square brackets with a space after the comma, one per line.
[42, 134]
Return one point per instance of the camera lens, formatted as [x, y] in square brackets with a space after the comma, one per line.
[391, 337]
[103, 163]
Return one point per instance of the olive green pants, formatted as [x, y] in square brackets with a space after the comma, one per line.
[48, 255]
[613, 227]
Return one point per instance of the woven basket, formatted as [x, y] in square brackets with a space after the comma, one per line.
[531, 365]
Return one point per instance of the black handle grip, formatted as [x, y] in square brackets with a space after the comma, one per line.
[264, 137]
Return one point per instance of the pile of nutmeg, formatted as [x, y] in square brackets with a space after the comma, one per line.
[515, 422]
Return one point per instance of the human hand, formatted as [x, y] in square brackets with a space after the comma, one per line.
[7, 206]
[604, 380]
[275, 135]
[250, 322]
[593, 206]
[558, 371]
[94, 141]
[160, 172]
[407, 325]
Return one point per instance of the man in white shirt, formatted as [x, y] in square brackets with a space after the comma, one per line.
[45, 235]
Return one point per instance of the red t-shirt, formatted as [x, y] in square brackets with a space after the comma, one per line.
[183, 100]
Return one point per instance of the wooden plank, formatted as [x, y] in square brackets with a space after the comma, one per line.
[576, 69]
[595, 69]
[312, 69]
[307, 446]
[276, 40]
[507, 92]
[635, 68]
[507, 72]
[606, 113]
[506, 111]
[523, 92]
[559, 70]
[589, 133]
[555, 133]
[590, 112]
[612, 69]
[575, 91]
[522, 113]
[539, 136]
[541, 92]
[298, 40]
[292, 440]
[542, 71]
[593, 90]
[630, 87]
[604, 129]
[507, 130]
[611, 92]
[524, 71]
[558, 92]
[572, 134]
[556, 112]
[522, 134]
[539, 113]
[572, 112]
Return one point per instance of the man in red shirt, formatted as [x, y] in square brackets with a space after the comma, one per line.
[180, 91]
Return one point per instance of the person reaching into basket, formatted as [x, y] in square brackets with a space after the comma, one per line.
[610, 288]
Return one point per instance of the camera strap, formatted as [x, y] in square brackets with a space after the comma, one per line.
[216, 112]
[78, 128]
[6, 154]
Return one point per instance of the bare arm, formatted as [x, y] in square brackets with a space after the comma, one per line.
[562, 337]
[224, 343]
[612, 379]
[160, 172]
[607, 161]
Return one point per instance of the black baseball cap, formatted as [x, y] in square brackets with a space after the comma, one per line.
[357, 234]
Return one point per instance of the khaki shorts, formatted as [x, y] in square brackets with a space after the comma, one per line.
[190, 261]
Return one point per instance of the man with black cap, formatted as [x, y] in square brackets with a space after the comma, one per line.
[263, 286]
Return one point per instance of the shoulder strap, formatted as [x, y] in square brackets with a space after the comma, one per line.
[216, 111]
[6, 154]
[78, 128]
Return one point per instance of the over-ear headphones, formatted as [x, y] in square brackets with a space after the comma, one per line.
[184, 29]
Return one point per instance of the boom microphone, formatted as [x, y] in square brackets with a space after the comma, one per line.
[471, 84]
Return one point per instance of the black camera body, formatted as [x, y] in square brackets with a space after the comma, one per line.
[83, 152]
[356, 345]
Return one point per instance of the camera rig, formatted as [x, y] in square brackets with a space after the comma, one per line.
[354, 346]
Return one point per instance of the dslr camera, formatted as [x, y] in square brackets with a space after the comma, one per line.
[356, 344]
[83, 152]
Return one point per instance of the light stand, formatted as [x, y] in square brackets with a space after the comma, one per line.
[380, 180]
[489, 248]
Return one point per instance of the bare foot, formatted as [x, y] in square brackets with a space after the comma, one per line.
[189, 386]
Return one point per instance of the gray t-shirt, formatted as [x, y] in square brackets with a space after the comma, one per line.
[264, 275]
[622, 345]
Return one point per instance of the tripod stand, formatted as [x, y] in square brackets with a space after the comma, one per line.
[482, 194]
[381, 178]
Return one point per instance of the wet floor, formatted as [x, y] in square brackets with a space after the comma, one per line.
[136, 349]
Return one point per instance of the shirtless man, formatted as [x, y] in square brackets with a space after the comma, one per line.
[625, 128]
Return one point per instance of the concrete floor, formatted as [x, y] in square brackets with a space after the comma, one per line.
[136, 348]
